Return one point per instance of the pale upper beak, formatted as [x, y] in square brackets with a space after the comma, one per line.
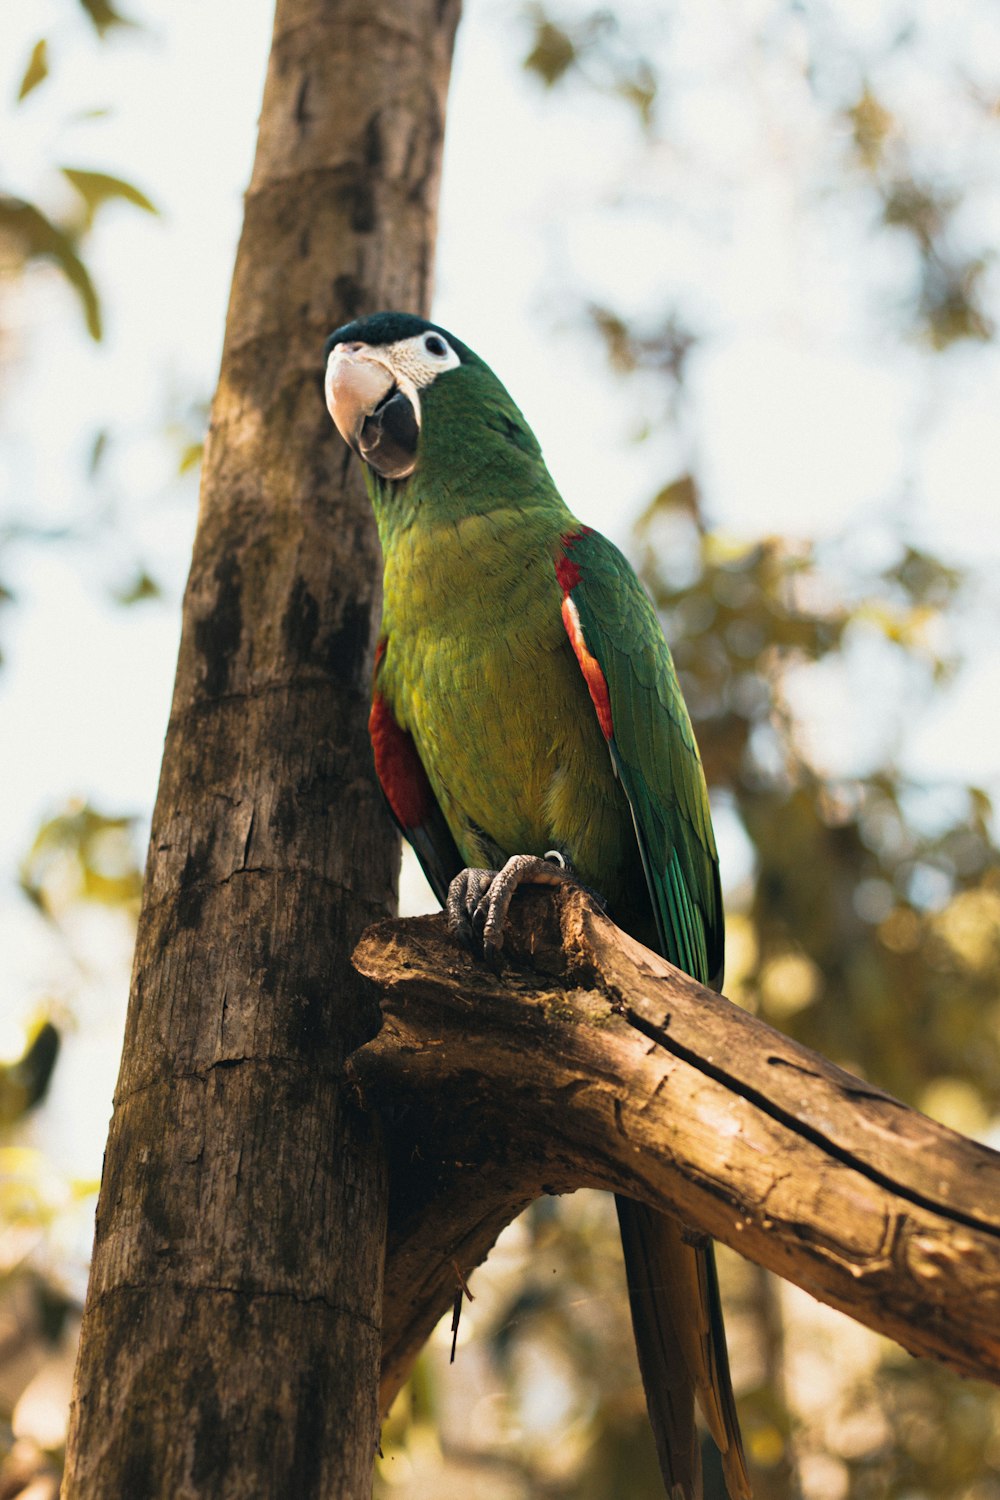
[374, 412]
[356, 381]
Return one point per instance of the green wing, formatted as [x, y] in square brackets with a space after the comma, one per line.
[652, 748]
[673, 1289]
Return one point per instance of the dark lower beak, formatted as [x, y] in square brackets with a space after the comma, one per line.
[387, 439]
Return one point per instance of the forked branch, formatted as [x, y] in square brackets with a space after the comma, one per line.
[590, 1062]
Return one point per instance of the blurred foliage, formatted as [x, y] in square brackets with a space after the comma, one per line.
[104, 16]
[25, 1082]
[543, 1398]
[661, 350]
[80, 858]
[6, 597]
[868, 891]
[81, 855]
[98, 188]
[53, 228]
[870, 927]
[597, 51]
[27, 234]
[37, 70]
[30, 233]
[949, 305]
[186, 430]
[921, 200]
[141, 588]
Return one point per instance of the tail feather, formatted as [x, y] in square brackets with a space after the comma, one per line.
[677, 1317]
[734, 1463]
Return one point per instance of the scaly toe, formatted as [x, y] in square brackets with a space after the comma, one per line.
[479, 900]
[520, 869]
[465, 895]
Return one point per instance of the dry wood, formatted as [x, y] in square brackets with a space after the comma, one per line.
[231, 1336]
[592, 1062]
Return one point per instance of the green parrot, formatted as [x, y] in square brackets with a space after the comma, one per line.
[527, 725]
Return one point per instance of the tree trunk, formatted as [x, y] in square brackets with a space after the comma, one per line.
[231, 1335]
[591, 1062]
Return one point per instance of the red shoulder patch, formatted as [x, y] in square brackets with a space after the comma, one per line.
[398, 766]
[567, 571]
[569, 575]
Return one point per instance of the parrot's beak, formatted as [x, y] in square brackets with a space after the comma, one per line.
[376, 412]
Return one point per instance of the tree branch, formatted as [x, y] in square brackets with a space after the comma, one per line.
[591, 1062]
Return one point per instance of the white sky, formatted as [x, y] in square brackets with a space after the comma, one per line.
[806, 417]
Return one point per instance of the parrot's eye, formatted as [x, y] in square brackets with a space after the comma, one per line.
[435, 345]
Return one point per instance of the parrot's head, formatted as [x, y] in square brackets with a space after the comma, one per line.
[413, 400]
[378, 372]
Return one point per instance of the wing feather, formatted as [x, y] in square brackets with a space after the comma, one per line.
[673, 1287]
[652, 746]
[408, 792]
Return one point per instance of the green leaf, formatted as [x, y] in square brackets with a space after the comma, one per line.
[638, 88]
[553, 53]
[81, 854]
[24, 1083]
[871, 125]
[40, 239]
[142, 587]
[191, 457]
[84, 1187]
[97, 451]
[98, 188]
[680, 494]
[104, 16]
[36, 71]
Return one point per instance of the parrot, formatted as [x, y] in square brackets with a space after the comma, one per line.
[527, 726]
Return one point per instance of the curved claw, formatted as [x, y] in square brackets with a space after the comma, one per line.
[479, 900]
[494, 904]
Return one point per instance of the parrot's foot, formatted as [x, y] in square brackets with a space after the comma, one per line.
[479, 900]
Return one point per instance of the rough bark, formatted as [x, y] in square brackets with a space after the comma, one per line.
[231, 1334]
[591, 1062]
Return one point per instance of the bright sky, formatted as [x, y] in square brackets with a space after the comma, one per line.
[806, 417]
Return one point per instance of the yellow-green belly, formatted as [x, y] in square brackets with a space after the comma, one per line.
[482, 674]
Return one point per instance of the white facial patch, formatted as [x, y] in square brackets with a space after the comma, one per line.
[423, 357]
